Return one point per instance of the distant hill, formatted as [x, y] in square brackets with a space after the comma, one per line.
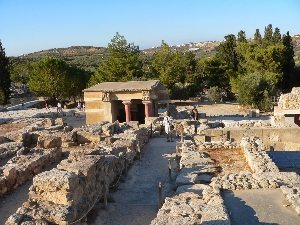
[89, 57]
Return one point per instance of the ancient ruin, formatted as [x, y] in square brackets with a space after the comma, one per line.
[126, 172]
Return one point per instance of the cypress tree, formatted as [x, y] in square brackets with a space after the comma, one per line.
[5, 81]
[289, 62]
[276, 36]
[268, 36]
[241, 36]
[257, 37]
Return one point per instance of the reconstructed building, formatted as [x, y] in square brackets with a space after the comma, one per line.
[124, 101]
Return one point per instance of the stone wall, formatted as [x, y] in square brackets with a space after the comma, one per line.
[290, 100]
[67, 193]
[25, 165]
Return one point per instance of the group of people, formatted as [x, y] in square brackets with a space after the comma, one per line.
[81, 106]
[168, 123]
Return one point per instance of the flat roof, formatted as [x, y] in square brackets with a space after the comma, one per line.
[124, 86]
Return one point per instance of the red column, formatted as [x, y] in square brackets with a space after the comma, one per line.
[148, 108]
[127, 110]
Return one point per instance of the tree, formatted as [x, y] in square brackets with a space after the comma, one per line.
[122, 63]
[5, 81]
[170, 66]
[54, 78]
[268, 36]
[214, 94]
[289, 62]
[226, 52]
[242, 36]
[276, 36]
[211, 72]
[254, 90]
[257, 37]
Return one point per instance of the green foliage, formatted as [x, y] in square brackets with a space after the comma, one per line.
[241, 36]
[257, 37]
[54, 78]
[122, 64]
[254, 90]
[214, 94]
[211, 72]
[5, 81]
[172, 67]
[268, 36]
[226, 52]
[20, 72]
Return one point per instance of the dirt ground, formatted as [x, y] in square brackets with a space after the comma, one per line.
[9, 127]
[230, 160]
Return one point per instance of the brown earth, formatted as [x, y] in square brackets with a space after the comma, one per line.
[230, 160]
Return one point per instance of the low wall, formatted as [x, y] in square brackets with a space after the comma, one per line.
[278, 138]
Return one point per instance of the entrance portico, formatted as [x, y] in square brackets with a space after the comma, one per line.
[124, 101]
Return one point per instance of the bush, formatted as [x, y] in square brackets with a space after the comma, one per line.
[255, 90]
[214, 94]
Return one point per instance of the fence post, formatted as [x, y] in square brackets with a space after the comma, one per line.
[170, 169]
[160, 200]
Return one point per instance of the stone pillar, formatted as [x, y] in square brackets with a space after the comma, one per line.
[127, 110]
[148, 108]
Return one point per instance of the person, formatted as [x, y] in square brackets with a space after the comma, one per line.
[79, 106]
[46, 105]
[59, 107]
[195, 116]
[168, 123]
[195, 113]
[83, 106]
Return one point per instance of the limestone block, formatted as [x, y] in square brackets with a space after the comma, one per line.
[87, 137]
[49, 141]
[57, 186]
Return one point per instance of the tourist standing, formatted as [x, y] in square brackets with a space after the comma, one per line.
[195, 116]
[79, 106]
[59, 107]
[168, 123]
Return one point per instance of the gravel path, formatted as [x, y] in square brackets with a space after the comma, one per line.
[136, 200]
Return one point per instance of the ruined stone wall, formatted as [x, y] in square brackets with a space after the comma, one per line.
[195, 201]
[25, 165]
[67, 193]
[290, 100]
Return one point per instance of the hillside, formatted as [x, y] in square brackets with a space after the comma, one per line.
[89, 57]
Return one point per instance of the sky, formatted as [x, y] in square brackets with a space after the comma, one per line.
[33, 25]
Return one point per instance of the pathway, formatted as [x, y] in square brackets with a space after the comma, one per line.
[261, 206]
[136, 200]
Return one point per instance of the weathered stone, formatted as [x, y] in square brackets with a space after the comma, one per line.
[49, 142]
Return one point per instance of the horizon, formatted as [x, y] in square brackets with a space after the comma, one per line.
[33, 26]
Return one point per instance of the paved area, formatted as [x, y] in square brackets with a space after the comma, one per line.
[286, 160]
[136, 200]
[254, 207]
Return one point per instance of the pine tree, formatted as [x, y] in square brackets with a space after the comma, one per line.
[5, 81]
[257, 37]
[241, 36]
[268, 36]
[226, 52]
[276, 36]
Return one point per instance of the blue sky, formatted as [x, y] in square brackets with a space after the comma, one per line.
[33, 25]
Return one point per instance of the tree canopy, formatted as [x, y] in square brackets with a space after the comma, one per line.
[122, 64]
[5, 81]
[54, 78]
